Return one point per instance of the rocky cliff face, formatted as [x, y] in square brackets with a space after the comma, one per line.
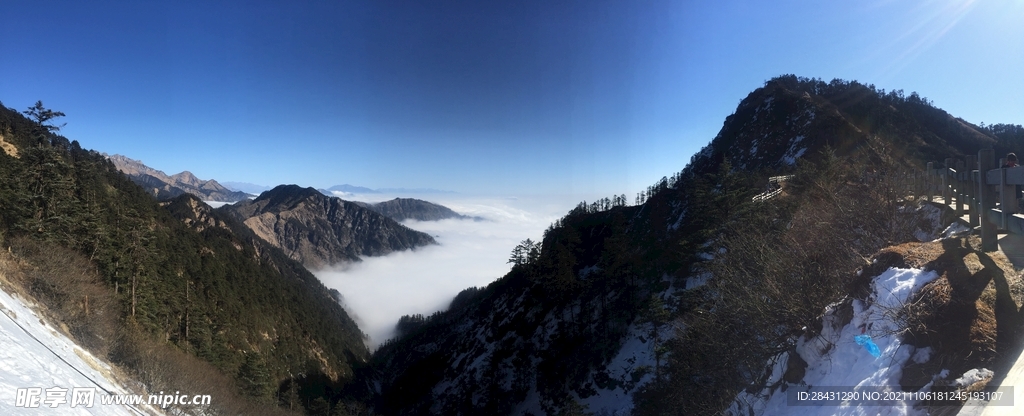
[401, 209]
[318, 230]
[164, 187]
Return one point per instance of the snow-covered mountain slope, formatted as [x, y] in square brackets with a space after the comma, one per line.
[836, 360]
[35, 355]
[871, 354]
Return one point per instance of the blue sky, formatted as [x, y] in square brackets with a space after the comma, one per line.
[568, 97]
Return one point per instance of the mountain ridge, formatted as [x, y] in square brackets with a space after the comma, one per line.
[320, 231]
[401, 209]
[791, 115]
[249, 188]
[163, 186]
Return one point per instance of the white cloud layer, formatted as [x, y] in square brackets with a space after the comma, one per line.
[379, 290]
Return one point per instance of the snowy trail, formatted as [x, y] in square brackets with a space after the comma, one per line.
[35, 355]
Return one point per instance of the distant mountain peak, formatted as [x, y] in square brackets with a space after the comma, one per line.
[163, 187]
[792, 118]
[187, 177]
[135, 167]
[319, 230]
[352, 189]
[249, 188]
[401, 209]
[287, 195]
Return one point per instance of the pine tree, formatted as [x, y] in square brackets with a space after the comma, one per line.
[517, 256]
[254, 376]
[42, 116]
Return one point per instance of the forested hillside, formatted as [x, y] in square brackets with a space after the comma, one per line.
[674, 304]
[182, 281]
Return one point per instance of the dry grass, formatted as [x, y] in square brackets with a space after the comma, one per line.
[162, 367]
[968, 316]
[69, 290]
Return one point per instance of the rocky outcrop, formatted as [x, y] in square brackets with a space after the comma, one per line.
[401, 209]
[165, 187]
[318, 230]
[8, 148]
[195, 214]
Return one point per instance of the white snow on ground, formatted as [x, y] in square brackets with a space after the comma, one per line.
[933, 216]
[698, 280]
[679, 220]
[834, 359]
[26, 362]
[794, 152]
[628, 370]
[956, 229]
[973, 376]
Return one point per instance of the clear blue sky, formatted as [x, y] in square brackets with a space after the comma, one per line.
[473, 96]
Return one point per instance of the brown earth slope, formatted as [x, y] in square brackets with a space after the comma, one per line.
[970, 316]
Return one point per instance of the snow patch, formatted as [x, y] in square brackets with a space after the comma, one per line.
[679, 220]
[932, 216]
[835, 360]
[973, 376]
[586, 271]
[631, 368]
[29, 351]
[699, 280]
[794, 152]
[922, 355]
[956, 229]
[810, 117]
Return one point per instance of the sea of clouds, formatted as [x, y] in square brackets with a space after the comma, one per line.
[379, 290]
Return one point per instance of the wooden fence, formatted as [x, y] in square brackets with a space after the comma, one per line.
[977, 185]
[961, 184]
[769, 194]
